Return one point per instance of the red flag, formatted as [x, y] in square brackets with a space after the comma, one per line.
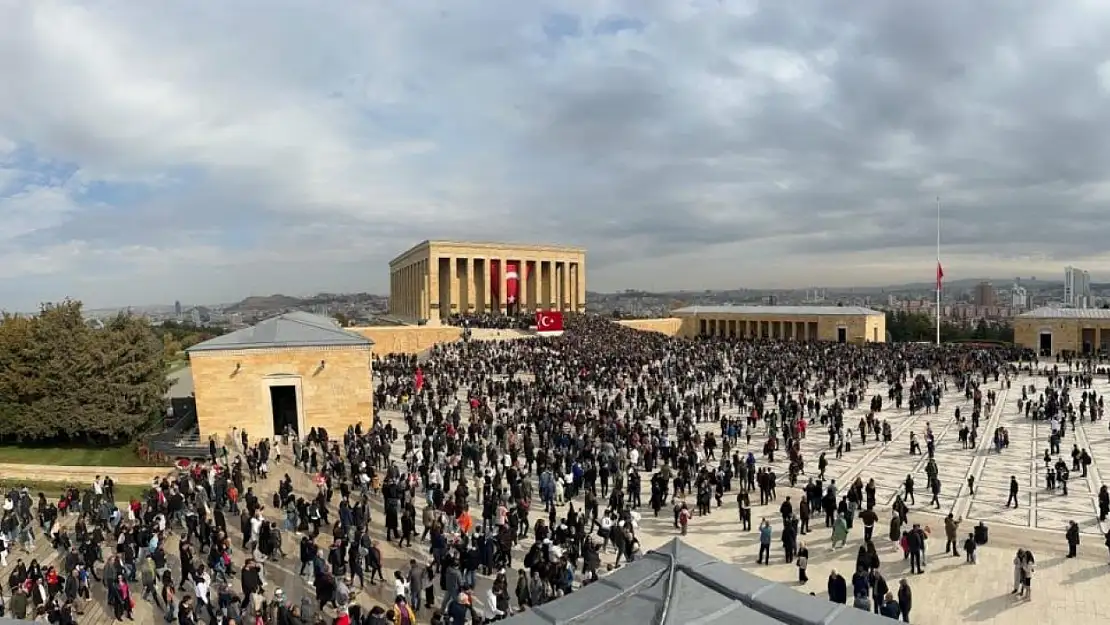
[549, 321]
[512, 284]
[418, 380]
[940, 275]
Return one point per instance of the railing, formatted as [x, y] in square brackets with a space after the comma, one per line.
[182, 439]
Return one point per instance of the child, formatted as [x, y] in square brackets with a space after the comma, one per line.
[969, 549]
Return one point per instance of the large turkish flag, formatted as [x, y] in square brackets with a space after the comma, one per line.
[512, 285]
[549, 321]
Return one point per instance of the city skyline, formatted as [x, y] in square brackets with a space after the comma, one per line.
[149, 154]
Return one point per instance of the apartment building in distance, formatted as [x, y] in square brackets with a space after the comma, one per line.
[1077, 288]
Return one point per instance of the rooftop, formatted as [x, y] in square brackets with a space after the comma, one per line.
[776, 310]
[1052, 312]
[485, 245]
[295, 329]
[680, 584]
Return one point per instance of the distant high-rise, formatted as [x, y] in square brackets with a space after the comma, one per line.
[177, 309]
[1077, 287]
[985, 294]
[195, 317]
[1019, 297]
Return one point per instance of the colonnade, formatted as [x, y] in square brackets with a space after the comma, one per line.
[758, 328]
[438, 285]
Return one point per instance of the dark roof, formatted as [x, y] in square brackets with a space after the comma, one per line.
[776, 310]
[295, 329]
[678, 584]
[1052, 312]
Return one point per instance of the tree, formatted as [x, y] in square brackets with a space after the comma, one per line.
[61, 380]
[918, 326]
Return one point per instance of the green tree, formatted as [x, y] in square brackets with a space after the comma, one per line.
[61, 380]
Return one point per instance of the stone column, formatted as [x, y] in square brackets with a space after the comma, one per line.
[400, 309]
[402, 292]
[456, 305]
[434, 304]
[485, 301]
[557, 285]
[565, 289]
[581, 286]
[545, 285]
[414, 292]
[534, 274]
[471, 285]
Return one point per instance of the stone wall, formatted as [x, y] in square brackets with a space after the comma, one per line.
[670, 326]
[1067, 334]
[858, 328]
[233, 388]
[131, 476]
[407, 339]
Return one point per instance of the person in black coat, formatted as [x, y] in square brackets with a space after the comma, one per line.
[905, 599]
[838, 588]
[1072, 536]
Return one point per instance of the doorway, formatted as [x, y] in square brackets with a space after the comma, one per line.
[283, 406]
[1046, 344]
[1088, 340]
[842, 335]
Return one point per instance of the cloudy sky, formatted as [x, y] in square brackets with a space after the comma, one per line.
[208, 150]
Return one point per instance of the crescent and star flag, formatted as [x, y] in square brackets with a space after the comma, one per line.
[549, 321]
[418, 379]
[940, 275]
[512, 285]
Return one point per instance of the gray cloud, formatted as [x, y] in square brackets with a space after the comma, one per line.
[807, 139]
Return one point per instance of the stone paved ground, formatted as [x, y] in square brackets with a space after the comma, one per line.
[1038, 507]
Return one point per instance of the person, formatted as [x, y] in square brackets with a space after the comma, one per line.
[905, 599]
[764, 542]
[971, 549]
[1072, 536]
[951, 527]
[402, 613]
[890, 607]
[840, 531]
[1019, 561]
[802, 560]
[1027, 568]
[119, 597]
[837, 587]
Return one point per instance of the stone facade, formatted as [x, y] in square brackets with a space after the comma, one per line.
[232, 388]
[1064, 334]
[857, 328]
[670, 326]
[407, 339]
[436, 279]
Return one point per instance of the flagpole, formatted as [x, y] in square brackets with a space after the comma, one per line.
[938, 270]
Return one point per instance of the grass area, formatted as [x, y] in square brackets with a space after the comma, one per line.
[53, 490]
[71, 455]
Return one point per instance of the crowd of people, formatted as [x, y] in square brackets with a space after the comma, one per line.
[493, 321]
[513, 472]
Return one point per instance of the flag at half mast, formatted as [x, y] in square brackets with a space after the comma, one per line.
[940, 275]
